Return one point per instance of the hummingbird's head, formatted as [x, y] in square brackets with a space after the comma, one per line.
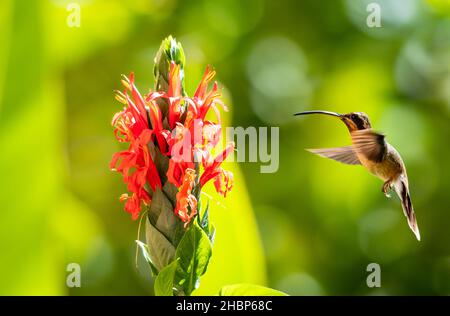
[354, 120]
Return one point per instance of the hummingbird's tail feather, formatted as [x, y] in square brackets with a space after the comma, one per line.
[402, 190]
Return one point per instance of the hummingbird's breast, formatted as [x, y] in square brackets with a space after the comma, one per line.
[390, 167]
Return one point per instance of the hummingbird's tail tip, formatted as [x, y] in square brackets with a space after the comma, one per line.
[415, 230]
[417, 233]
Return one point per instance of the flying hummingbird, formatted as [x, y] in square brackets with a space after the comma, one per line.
[371, 150]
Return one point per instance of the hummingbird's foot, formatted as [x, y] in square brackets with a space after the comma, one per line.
[386, 187]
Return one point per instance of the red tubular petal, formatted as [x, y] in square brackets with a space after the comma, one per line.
[174, 80]
[174, 94]
[152, 172]
[155, 116]
[174, 173]
[224, 154]
[154, 95]
[212, 169]
[157, 124]
[133, 206]
[141, 121]
[207, 77]
[115, 158]
[140, 104]
[185, 199]
[153, 176]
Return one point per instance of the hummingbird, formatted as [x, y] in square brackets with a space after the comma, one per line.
[371, 150]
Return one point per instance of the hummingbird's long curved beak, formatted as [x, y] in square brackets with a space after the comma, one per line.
[320, 112]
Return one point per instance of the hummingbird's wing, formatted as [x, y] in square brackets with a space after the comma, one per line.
[342, 154]
[370, 144]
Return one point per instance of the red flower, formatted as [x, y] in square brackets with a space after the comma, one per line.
[174, 95]
[223, 180]
[185, 200]
[183, 135]
[137, 168]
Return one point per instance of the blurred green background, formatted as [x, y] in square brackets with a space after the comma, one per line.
[309, 229]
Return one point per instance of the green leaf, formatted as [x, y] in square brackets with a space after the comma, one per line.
[170, 190]
[162, 217]
[161, 251]
[164, 281]
[170, 50]
[146, 255]
[161, 161]
[204, 223]
[175, 51]
[212, 233]
[249, 290]
[194, 253]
